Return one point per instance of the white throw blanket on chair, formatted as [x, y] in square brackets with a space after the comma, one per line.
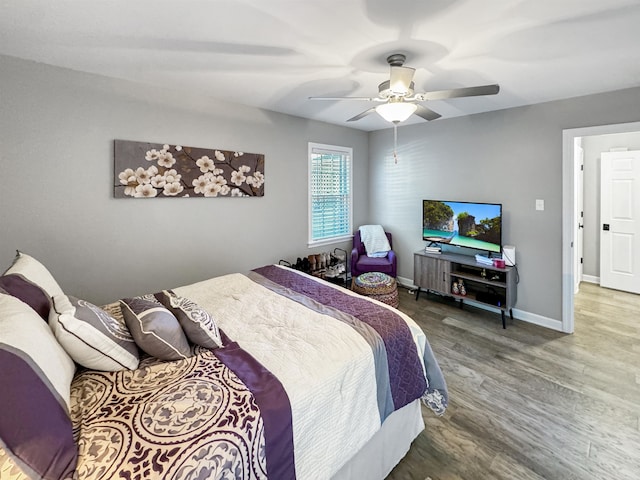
[375, 241]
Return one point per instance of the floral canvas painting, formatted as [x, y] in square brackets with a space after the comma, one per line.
[150, 170]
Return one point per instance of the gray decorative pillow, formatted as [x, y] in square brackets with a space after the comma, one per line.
[91, 336]
[196, 322]
[154, 328]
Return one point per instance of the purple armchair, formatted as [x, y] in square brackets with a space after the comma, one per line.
[360, 263]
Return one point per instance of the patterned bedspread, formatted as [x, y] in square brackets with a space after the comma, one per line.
[186, 419]
[304, 365]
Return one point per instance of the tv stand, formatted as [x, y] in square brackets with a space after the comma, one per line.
[484, 284]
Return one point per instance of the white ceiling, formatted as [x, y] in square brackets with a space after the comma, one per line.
[274, 54]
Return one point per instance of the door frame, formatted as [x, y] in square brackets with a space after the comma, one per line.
[578, 202]
[568, 209]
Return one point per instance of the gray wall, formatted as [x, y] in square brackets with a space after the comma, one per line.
[593, 146]
[57, 129]
[511, 157]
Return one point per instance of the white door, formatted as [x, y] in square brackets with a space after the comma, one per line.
[619, 218]
[579, 215]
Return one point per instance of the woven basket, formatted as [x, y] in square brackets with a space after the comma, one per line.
[377, 285]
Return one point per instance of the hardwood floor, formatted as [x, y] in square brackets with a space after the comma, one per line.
[528, 403]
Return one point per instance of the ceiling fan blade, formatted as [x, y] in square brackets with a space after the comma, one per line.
[366, 99]
[400, 79]
[362, 115]
[460, 92]
[426, 113]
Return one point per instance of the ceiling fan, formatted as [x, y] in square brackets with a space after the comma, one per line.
[398, 100]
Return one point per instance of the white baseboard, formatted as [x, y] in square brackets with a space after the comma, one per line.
[519, 314]
[406, 282]
[591, 279]
[538, 319]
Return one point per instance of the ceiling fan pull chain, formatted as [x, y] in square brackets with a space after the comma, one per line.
[395, 142]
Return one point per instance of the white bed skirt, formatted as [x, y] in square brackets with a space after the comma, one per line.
[387, 447]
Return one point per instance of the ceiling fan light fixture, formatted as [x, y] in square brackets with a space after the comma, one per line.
[396, 112]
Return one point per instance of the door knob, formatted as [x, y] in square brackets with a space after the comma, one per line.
[605, 226]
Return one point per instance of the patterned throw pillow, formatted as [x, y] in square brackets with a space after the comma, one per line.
[91, 336]
[154, 328]
[36, 433]
[196, 322]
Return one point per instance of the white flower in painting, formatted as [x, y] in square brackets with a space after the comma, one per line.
[145, 191]
[219, 180]
[166, 147]
[130, 191]
[166, 159]
[152, 170]
[237, 178]
[210, 175]
[205, 164]
[225, 190]
[217, 171]
[211, 189]
[172, 189]
[142, 176]
[128, 176]
[200, 183]
[238, 154]
[158, 181]
[219, 155]
[171, 176]
[244, 169]
[152, 155]
[256, 180]
[179, 148]
[236, 193]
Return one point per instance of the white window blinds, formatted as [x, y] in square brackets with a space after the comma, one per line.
[330, 193]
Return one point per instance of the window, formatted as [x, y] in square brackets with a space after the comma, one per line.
[330, 199]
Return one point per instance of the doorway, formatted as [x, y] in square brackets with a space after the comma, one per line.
[569, 216]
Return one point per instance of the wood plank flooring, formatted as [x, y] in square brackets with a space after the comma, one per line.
[528, 403]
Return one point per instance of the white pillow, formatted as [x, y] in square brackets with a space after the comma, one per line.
[22, 329]
[33, 270]
[35, 378]
[91, 336]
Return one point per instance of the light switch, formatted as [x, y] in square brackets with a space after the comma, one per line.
[539, 204]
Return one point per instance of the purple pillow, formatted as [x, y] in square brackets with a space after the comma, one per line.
[17, 286]
[34, 427]
[36, 432]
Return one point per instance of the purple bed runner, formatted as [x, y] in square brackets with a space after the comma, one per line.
[404, 376]
[274, 405]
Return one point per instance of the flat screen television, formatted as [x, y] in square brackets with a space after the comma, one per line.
[463, 224]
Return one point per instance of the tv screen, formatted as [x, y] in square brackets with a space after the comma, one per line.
[463, 224]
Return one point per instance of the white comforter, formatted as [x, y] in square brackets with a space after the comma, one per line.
[326, 368]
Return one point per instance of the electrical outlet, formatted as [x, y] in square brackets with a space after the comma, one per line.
[539, 204]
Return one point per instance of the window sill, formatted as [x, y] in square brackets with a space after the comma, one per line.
[329, 241]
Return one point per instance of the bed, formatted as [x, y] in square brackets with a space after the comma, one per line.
[306, 380]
